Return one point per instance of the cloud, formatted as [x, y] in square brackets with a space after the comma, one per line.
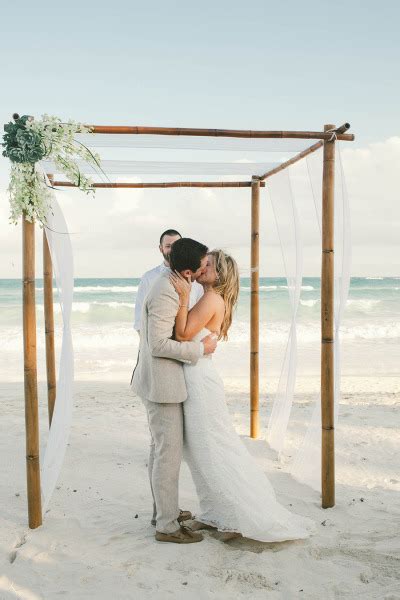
[372, 181]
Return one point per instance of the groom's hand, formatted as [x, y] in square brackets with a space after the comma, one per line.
[210, 343]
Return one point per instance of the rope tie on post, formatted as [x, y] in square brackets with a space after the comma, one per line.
[333, 137]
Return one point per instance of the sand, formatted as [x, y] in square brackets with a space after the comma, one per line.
[97, 542]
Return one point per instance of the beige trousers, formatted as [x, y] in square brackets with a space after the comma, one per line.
[166, 429]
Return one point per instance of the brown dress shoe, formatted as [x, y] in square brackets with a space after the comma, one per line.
[182, 536]
[197, 525]
[184, 515]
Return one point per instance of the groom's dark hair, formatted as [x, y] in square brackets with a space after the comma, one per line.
[187, 254]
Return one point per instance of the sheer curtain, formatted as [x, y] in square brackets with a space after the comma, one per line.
[287, 223]
[61, 254]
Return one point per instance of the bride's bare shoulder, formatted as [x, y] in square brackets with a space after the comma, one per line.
[213, 298]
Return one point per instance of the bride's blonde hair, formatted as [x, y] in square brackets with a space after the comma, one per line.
[227, 285]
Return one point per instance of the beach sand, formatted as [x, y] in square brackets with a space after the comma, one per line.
[97, 542]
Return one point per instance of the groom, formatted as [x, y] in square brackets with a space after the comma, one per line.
[159, 380]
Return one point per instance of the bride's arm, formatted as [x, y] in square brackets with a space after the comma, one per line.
[189, 323]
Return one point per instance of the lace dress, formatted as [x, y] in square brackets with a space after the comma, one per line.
[234, 493]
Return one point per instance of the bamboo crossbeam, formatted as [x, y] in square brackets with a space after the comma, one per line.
[327, 326]
[169, 184]
[254, 309]
[49, 326]
[342, 128]
[30, 375]
[230, 133]
[293, 160]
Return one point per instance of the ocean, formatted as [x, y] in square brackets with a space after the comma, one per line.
[105, 342]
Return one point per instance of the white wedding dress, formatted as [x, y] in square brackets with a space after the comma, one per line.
[234, 493]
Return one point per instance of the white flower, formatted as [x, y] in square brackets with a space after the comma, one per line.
[28, 190]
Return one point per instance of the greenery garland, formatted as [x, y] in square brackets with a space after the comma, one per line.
[27, 141]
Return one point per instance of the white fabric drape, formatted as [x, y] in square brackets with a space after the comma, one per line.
[196, 143]
[176, 168]
[287, 224]
[62, 259]
[306, 466]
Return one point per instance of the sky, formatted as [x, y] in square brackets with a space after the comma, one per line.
[249, 65]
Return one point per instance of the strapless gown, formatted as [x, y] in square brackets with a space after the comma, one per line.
[234, 493]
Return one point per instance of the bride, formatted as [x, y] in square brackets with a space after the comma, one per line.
[235, 494]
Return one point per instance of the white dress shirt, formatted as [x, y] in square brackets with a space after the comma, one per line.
[147, 281]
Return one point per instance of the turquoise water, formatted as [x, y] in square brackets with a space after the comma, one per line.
[105, 343]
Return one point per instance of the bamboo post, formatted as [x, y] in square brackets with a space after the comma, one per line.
[49, 326]
[30, 376]
[327, 323]
[254, 309]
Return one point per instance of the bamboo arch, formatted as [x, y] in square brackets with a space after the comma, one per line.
[326, 139]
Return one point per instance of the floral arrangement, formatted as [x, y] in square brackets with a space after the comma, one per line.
[27, 141]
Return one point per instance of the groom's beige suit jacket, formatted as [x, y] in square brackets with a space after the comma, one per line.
[158, 375]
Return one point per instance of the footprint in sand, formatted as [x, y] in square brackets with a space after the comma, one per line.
[13, 554]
